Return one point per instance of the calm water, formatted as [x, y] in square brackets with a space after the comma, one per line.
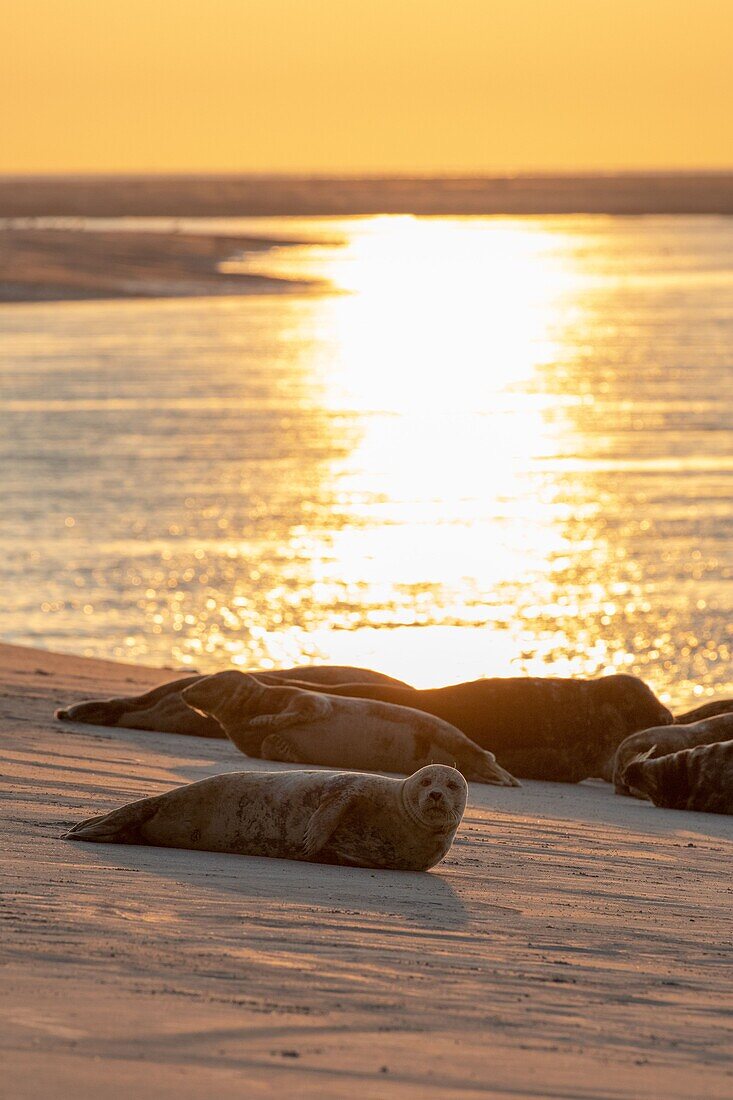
[500, 446]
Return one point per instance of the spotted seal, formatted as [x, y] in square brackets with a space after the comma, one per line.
[302, 727]
[693, 779]
[322, 817]
[663, 740]
[164, 711]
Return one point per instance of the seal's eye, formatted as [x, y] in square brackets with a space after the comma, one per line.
[425, 782]
[452, 786]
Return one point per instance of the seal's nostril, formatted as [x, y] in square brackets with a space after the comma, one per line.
[437, 795]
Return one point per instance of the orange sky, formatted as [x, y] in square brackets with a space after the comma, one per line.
[365, 85]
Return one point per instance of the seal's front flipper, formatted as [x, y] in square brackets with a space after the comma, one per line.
[118, 827]
[268, 722]
[277, 747]
[300, 711]
[97, 712]
[326, 819]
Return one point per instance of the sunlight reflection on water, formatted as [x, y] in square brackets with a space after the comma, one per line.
[501, 446]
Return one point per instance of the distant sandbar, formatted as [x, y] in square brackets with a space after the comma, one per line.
[247, 196]
[69, 264]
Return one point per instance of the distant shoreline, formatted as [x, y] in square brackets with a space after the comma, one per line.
[46, 265]
[276, 195]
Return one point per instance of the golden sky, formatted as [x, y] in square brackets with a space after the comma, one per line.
[365, 85]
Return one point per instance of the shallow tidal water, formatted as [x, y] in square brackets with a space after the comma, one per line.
[489, 447]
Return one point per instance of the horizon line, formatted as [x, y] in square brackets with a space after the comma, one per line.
[304, 174]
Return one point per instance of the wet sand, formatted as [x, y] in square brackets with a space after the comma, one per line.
[573, 944]
[68, 264]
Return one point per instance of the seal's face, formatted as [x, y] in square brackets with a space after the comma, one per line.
[435, 797]
[636, 705]
[641, 776]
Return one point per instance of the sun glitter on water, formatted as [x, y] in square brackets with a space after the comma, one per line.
[438, 327]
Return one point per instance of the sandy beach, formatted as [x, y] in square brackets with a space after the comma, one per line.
[573, 944]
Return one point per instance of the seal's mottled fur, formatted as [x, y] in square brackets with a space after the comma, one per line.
[694, 779]
[323, 817]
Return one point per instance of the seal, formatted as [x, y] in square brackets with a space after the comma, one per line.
[302, 727]
[693, 779]
[554, 729]
[663, 740]
[163, 710]
[706, 710]
[321, 817]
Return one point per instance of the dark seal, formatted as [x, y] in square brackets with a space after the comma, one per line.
[693, 779]
[705, 710]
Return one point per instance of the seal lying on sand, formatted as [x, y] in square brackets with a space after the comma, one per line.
[564, 730]
[302, 727]
[323, 817]
[706, 710]
[694, 779]
[163, 709]
[663, 740]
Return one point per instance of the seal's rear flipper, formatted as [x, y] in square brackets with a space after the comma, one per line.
[98, 712]
[489, 771]
[121, 826]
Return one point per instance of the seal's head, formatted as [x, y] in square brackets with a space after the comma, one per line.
[635, 705]
[638, 777]
[435, 798]
[222, 694]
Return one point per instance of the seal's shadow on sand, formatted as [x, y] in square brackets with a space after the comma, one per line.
[418, 898]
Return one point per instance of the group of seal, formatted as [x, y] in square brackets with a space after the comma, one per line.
[554, 729]
[686, 766]
[664, 740]
[341, 717]
[344, 818]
